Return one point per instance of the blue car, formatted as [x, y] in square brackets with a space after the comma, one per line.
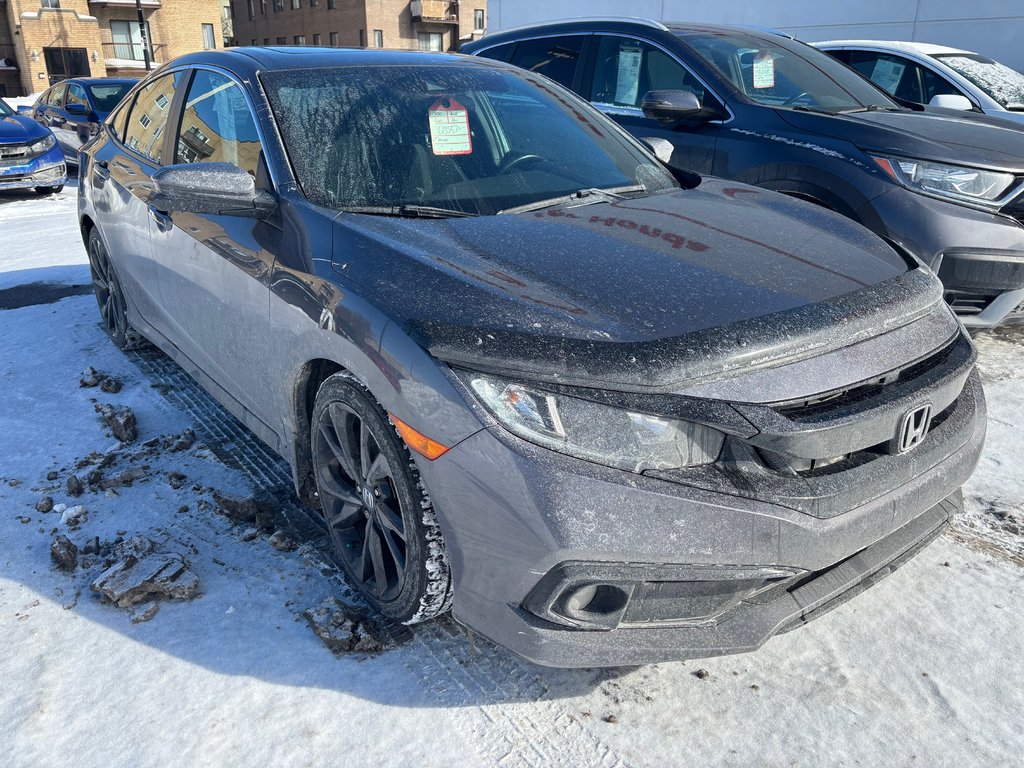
[29, 155]
[74, 109]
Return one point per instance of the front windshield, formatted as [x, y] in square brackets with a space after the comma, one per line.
[1004, 85]
[455, 137]
[4, 109]
[106, 97]
[777, 72]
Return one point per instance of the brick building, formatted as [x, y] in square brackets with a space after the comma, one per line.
[429, 25]
[43, 41]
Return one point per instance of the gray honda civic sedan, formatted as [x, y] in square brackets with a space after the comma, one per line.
[606, 412]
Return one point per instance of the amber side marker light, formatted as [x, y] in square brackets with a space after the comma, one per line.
[886, 166]
[422, 444]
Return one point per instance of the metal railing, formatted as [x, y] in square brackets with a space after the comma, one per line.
[133, 52]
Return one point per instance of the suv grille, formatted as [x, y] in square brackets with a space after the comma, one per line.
[14, 154]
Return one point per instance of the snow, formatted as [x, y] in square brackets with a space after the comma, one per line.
[1003, 84]
[924, 668]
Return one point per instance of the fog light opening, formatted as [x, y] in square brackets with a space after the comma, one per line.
[601, 603]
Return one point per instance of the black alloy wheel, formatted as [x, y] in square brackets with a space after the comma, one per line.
[109, 296]
[382, 527]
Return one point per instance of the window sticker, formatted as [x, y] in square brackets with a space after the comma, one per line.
[627, 81]
[449, 128]
[887, 73]
[764, 70]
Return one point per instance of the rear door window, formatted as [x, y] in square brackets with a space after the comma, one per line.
[76, 95]
[625, 69]
[147, 120]
[217, 124]
[554, 57]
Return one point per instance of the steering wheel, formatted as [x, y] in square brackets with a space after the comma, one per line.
[508, 165]
[794, 99]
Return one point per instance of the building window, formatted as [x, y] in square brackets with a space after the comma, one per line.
[378, 38]
[127, 40]
[253, 43]
[161, 101]
[296, 4]
[278, 6]
[300, 39]
[251, 9]
[362, 38]
[263, 7]
[334, 39]
[478, 20]
[282, 41]
[317, 39]
[431, 41]
[331, 5]
[266, 41]
[144, 120]
[209, 40]
[51, 3]
[314, 3]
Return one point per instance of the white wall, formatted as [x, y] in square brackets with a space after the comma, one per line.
[992, 27]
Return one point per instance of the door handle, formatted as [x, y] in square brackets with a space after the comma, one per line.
[163, 222]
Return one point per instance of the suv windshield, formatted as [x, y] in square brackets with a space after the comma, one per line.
[1004, 85]
[106, 97]
[778, 72]
[449, 138]
[4, 109]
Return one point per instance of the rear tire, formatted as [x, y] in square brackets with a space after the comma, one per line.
[383, 527]
[110, 297]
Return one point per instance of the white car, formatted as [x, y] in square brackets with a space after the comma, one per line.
[935, 75]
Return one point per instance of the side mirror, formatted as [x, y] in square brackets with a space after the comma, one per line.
[669, 106]
[25, 110]
[77, 109]
[210, 188]
[951, 101]
[662, 148]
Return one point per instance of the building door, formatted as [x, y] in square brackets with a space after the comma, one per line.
[62, 63]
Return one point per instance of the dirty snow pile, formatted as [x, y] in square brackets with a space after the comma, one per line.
[161, 603]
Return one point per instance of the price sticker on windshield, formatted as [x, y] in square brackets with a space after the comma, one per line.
[764, 70]
[449, 128]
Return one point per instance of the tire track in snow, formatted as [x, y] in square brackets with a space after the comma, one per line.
[515, 724]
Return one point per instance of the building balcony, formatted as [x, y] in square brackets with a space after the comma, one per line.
[132, 55]
[7, 57]
[435, 11]
[147, 4]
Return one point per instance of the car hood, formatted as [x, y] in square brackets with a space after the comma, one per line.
[18, 128]
[942, 135]
[638, 294]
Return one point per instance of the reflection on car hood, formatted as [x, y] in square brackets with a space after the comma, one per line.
[943, 135]
[639, 294]
[18, 129]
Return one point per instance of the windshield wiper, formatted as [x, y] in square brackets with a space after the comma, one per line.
[580, 197]
[873, 108]
[409, 211]
[818, 110]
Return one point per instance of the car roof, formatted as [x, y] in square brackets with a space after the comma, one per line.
[269, 58]
[928, 49]
[98, 80]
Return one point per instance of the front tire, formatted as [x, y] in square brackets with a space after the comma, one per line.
[381, 522]
[49, 190]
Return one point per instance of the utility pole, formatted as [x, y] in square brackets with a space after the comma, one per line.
[142, 34]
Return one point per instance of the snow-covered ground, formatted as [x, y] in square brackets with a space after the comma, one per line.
[924, 669]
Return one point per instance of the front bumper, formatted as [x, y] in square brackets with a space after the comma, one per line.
[978, 255]
[47, 170]
[513, 514]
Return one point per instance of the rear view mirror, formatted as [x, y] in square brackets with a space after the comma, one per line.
[76, 109]
[951, 101]
[668, 106]
[210, 188]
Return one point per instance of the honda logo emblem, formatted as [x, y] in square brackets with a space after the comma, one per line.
[914, 428]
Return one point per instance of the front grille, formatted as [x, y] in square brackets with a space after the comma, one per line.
[14, 154]
[819, 405]
[14, 178]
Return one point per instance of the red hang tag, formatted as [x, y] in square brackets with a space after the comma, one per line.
[449, 128]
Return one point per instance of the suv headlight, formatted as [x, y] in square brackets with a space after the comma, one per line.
[594, 431]
[43, 145]
[955, 182]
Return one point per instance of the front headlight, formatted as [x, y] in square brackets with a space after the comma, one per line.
[968, 185]
[601, 433]
[43, 145]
